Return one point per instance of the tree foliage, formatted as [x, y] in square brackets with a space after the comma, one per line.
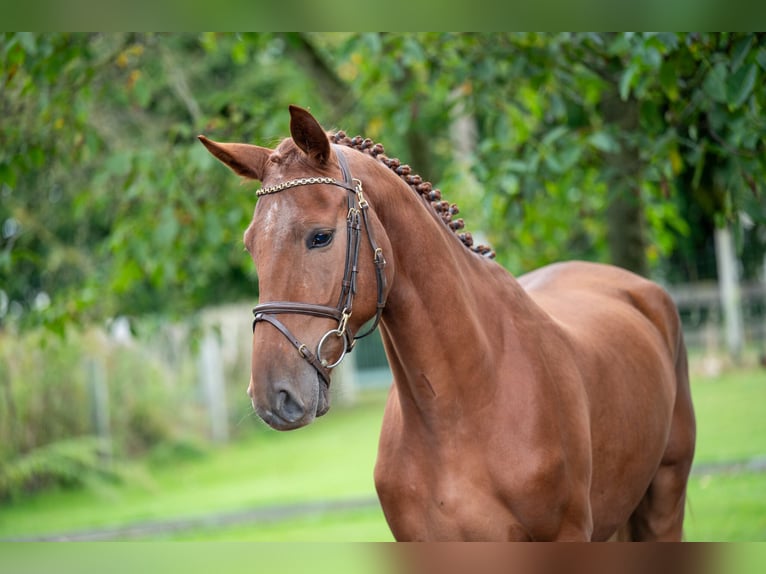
[110, 206]
[559, 145]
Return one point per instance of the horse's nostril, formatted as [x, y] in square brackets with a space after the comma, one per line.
[288, 408]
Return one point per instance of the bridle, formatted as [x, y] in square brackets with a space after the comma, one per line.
[357, 212]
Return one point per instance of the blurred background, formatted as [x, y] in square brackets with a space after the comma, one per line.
[125, 291]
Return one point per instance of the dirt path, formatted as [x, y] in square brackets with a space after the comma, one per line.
[752, 465]
[264, 514]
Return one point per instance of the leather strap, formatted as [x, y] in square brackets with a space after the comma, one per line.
[304, 351]
[357, 209]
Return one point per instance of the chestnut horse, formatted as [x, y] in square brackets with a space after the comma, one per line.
[553, 406]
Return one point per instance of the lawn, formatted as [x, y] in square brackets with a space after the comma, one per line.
[731, 426]
[333, 460]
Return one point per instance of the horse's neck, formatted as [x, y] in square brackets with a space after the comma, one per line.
[446, 314]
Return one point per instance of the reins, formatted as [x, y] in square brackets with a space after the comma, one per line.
[357, 214]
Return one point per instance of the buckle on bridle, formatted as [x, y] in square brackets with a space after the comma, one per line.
[378, 258]
[343, 321]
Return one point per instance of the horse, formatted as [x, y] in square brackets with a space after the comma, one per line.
[551, 406]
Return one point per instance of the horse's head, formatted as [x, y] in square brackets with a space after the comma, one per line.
[320, 279]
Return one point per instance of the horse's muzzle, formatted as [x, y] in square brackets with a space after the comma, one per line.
[287, 409]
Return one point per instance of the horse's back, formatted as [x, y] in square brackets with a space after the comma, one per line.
[580, 294]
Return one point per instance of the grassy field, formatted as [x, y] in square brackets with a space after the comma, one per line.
[333, 459]
[731, 426]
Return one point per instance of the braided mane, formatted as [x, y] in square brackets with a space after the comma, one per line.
[443, 208]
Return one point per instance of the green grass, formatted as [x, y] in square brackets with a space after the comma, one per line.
[731, 426]
[726, 508]
[334, 459]
[731, 416]
[331, 459]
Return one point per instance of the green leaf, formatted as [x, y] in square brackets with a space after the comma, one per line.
[28, 42]
[626, 82]
[570, 156]
[209, 42]
[8, 175]
[553, 135]
[668, 41]
[715, 83]
[603, 141]
[553, 163]
[651, 117]
[412, 52]
[167, 227]
[119, 164]
[761, 58]
[36, 156]
[740, 85]
[619, 46]
[239, 53]
[669, 79]
[741, 50]
[373, 43]
[517, 166]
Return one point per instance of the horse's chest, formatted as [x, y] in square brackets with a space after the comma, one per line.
[470, 486]
[420, 507]
[424, 498]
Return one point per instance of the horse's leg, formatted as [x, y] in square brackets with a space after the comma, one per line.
[660, 514]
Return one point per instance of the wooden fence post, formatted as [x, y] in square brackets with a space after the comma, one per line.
[728, 285]
[347, 381]
[99, 401]
[213, 387]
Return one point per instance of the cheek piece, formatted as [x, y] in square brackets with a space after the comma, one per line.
[357, 214]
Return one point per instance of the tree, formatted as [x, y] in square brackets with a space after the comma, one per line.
[634, 133]
[109, 205]
[629, 148]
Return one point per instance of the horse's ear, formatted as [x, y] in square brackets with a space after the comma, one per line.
[244, 159]
[309, 135]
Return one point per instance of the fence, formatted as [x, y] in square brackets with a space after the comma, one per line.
[699, 305]
[702, 313]
[190, 379]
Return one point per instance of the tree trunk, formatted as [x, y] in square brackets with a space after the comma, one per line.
[333, 89]
[625, 212]
[625, 229]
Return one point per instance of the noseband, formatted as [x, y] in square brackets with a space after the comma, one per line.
[357, 210]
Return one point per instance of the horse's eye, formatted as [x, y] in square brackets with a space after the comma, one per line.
[321, 238]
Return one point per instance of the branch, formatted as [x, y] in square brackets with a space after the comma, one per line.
[180, 86]
[723, 143]
[332, 88]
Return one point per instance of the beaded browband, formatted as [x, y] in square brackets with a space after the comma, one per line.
[302, 181]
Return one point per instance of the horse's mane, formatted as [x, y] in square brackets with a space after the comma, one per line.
[443, 208]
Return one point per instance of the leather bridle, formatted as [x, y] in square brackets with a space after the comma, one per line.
[357, 213]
